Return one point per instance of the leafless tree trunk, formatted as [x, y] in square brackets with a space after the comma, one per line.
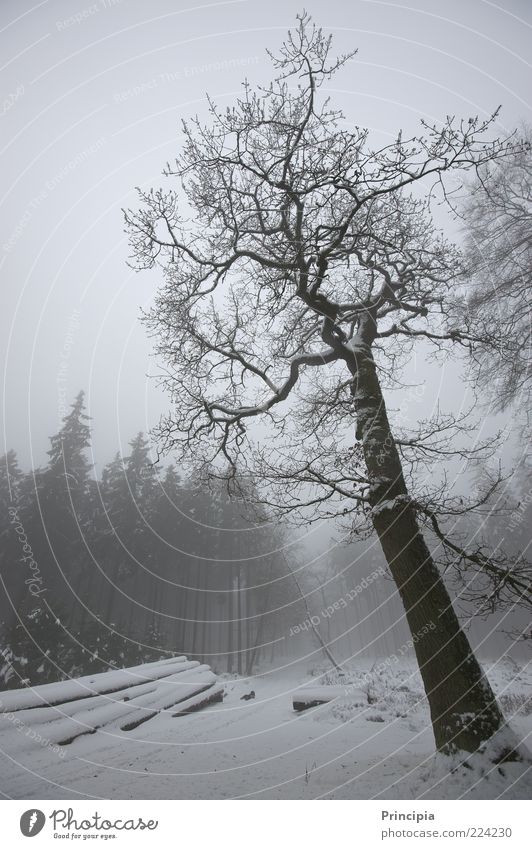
[454, 682]
[310, 618]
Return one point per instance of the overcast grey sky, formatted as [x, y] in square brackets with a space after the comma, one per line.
[92, 97]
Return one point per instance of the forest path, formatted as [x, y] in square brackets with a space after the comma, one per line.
[258, 748]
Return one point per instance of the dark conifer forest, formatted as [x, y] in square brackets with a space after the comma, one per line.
[126, 568]
[138, 564]
[143, 563]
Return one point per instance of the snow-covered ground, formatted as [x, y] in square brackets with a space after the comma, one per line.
[372, 742]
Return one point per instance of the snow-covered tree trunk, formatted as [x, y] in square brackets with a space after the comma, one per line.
[463, 707]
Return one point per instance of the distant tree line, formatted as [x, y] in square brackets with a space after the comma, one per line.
[142, 563]
[124, 569]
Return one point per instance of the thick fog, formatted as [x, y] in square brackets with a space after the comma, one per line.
[92, 100]
[93, 95]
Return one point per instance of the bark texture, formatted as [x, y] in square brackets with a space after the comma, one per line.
[463, 706]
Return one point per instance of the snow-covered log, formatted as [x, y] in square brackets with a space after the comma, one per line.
[81, 688]
[118, 700]
[309, 697]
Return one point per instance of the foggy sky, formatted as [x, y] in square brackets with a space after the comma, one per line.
[92, 99]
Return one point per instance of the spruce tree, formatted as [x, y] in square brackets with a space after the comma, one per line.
[62, 490]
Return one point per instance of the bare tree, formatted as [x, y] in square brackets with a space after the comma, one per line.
[497, 217]
[310, 619]
[498, 224]
[301, 268]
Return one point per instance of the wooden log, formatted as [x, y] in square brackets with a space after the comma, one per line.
[46, 695]
[213, 694]
[309, 697]
[65, 711]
